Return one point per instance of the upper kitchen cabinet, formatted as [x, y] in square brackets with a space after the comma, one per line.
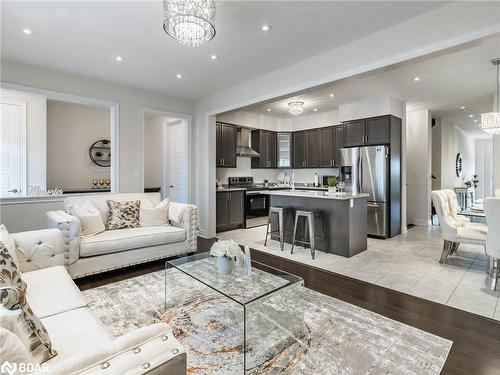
[338, 143]
[226, 145]
[306, 150]
[265, 143]
[284, 150]
[327, 147]
[368, 132]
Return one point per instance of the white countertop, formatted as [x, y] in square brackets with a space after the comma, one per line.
[315, 194]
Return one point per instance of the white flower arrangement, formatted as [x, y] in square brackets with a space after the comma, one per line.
[228, 249]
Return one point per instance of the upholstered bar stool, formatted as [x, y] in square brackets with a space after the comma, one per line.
[280, 214]
[308, 217]
[492, 211]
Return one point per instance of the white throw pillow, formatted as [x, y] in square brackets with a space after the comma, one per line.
[9, 243]
[156, 216]
[90, 218]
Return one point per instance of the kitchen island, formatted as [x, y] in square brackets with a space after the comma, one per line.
[343, 217]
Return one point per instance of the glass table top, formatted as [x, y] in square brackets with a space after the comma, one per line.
[241, 288]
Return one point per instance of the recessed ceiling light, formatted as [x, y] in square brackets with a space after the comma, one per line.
[214, 57]
[475, 120]
[315, 109]
[178, 76]
[266, 27]
[27, 31]
[471, 115]
[119, 59]
[268, 110]
[416, 79]
[332, 95]
[463, 107]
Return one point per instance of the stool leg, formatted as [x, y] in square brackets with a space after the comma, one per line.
[267, 230]
[280, 223]
[310, 223]
[294, 233]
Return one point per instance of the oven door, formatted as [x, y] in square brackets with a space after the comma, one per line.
[257, 204]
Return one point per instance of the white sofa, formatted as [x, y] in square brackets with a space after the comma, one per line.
[123, 247]
[83, 344]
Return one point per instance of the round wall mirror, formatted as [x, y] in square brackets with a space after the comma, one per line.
[100, 153]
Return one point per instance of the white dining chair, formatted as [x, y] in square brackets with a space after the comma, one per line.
[492, 211]
[454, 230]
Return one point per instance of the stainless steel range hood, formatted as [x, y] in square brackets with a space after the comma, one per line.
[244, 144]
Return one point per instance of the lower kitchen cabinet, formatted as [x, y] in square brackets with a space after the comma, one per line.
[230, 210]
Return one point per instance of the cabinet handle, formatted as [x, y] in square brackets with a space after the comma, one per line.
[333, 162]
[223, 161]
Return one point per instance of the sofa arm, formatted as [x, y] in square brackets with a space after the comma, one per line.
[40, 249]
[148, 350]
[185, 216]
[70, 226]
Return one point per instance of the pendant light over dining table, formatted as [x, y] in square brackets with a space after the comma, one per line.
[190, 22]
[490, 122]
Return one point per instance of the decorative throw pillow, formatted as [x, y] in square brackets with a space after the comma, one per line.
[16, 310]
[9, 243]
[123, 215]
[90, 218]
[154, 216]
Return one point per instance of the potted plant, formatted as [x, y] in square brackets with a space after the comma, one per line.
[225, 253]
[332, 184]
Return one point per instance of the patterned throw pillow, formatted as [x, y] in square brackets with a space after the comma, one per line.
[15, 310]
[123, 215]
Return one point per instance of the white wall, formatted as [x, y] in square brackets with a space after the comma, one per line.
[454, 141]
[131, 102]
[418, 162]
[496, 162]
[484, 168]
[71, 130]
[36, 135]
[154, 147]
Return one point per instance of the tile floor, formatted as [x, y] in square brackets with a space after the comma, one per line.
[407, 263]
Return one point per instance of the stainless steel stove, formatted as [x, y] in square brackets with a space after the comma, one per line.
[257, 205]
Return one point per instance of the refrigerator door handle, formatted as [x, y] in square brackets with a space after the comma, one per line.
[360, 173]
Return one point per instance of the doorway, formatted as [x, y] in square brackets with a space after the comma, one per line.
[166, 155]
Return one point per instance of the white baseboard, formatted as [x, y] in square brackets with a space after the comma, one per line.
[422, 222]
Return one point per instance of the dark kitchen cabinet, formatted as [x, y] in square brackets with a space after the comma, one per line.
[265, 143]
[299, 149]
[230, 210]
[327, 147]
[338, 143]
[368, 132]
[378, 131]
[306, 149]
[354, 133]
[226, 145]
[312, 148]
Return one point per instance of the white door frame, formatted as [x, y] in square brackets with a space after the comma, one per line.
[24, 183]
[114, 108]
[183, 116]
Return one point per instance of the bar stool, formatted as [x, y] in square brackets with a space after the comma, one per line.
[280, 212]
[309, 217]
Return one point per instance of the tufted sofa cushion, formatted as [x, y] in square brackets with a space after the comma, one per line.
[112, 241]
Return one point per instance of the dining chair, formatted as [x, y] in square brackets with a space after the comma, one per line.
[492, 211]
[454, 230]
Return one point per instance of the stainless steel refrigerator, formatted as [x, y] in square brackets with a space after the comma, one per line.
[366, 170]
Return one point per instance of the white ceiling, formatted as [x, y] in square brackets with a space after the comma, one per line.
[448, 81]
[83, 37]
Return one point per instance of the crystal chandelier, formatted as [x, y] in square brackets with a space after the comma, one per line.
[190, 22]
[296, 107]
[490, 122]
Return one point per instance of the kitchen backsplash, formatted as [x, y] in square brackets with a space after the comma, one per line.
[259, 175]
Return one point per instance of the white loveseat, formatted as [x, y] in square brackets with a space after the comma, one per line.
[123, 247]
[83, 344]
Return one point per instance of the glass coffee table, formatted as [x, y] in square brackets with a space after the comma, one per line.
[257, 304]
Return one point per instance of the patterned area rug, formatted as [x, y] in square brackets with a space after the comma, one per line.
[315, 334]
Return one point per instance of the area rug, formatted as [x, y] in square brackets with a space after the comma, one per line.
[332, 337]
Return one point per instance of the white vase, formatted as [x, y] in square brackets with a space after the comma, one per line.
[224, 265]
[332, 189]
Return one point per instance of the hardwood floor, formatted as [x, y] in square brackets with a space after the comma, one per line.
[476, 340]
